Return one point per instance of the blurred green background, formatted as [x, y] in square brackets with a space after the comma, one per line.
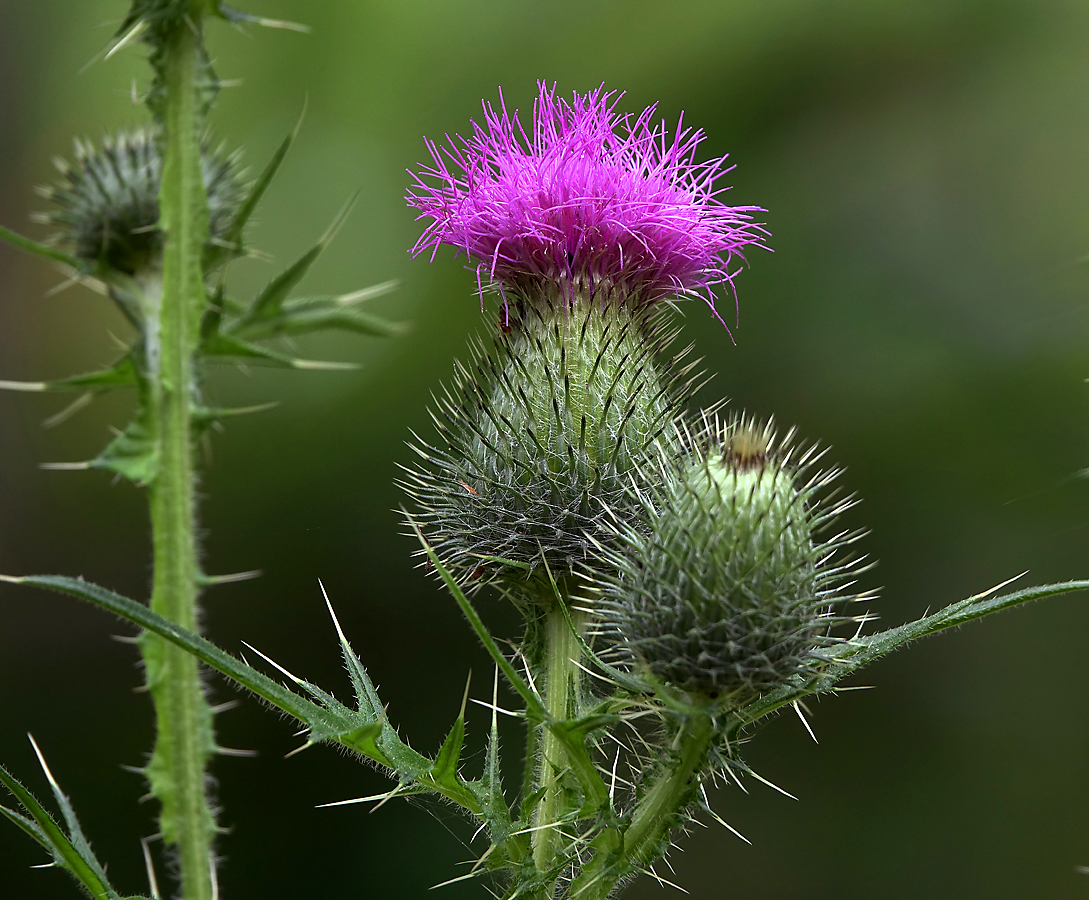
[925, 164]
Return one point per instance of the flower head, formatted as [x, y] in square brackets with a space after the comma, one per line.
[589, 200]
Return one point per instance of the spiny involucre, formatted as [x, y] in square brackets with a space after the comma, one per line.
[725, 589]
[107, 207]
[537, 436]
[587, 201]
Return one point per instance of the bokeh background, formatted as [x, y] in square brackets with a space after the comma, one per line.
[925, 166]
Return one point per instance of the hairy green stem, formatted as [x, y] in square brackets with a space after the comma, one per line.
[184, 742]
[654, 817]
[657, 811]
[561, 655]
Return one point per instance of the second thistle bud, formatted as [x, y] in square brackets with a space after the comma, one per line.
[725, 591]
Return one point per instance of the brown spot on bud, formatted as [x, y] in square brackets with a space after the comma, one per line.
[747, 448]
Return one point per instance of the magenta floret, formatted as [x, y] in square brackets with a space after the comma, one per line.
[589, 200]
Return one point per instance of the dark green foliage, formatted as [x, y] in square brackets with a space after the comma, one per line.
[619, 840]
[108, 203]
[724, 590]
[538, 436]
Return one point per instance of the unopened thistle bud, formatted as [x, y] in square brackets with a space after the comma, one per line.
[582, 224]
[108, 204]
[725, 590]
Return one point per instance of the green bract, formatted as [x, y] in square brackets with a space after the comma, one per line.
[539, 435]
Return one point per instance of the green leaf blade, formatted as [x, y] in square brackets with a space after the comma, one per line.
[44, 251]
[270, 301]
[138, 614]
[862, 651]
[75, 859]
[261, 185]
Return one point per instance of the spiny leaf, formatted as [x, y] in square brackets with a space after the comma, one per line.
[27, 825]
[224, 345]
[238, 17]
[445, 770]
[327, 311]
[362, 740]
[42, 250]
[269, 302]
[349, 300]
[489, 794]
[493, 778]
[75, 832]
[573, 735]
[365, 694]
[316, 318]
[233, 237]
[121, 374]
[327, 720]
[251, 679]
[204, 416]
[862, 651]
[133, 454]
[76, 859]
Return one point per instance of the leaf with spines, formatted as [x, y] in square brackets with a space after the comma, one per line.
[238, 17]
[205, 417]
[327, 719]
[306, 315]
[121, 374]
[133, 453]
[223, 345]
[445, 770]
[71, 851]
[859, 652]
[233, 242]
[53, 254]
[269, 303]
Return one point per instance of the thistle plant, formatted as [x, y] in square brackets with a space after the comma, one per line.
[680, 574]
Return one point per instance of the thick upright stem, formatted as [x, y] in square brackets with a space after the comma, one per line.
[562, 654]
[184, 740]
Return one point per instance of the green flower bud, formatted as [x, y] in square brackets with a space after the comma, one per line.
[539, 435]
[108, 203]
[724, 590]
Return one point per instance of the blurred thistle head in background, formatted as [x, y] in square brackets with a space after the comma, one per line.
[107, 206]
[590, 202]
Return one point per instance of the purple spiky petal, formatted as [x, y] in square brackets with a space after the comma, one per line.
[588, 199]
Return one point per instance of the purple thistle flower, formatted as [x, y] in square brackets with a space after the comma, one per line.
[590, 201]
